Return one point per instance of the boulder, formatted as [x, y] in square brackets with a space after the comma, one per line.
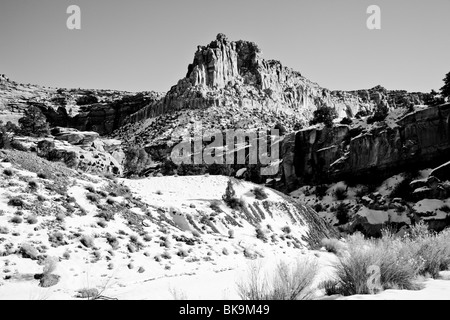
[78, 137]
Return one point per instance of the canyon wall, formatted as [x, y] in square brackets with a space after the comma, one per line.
[344, 152]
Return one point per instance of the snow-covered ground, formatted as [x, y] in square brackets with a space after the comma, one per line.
[160, 252]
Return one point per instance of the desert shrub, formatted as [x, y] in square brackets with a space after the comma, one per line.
[102, 223]
[66, 255]
[90, 188]
[431, 249]
[287, 283]
[340, 193]
[419, 231]
[333, 245]
[60, 216]
[5, 138]
[117, 190]
[182, 253]
[42, 175]
[398, 269]
[286, 229]
[92, 197]
[259, 193]
[215, 206]
[16, 202]
[260, 234]
[109, 176]
[88, 293]
[166, 255]
[87, 241]
[71, 159]
[342, 213]
[8, 172]
[324, 115]
[16, 219]
[102, 193]
[331, 287]
[28, 251]
[33, 185]
[113, 241]
[32, 220]
[17, 145]
[136, 160]
[445, 208]
[49, 266]
[56, 237]
[318, 207]
[33, 123]
[4, 230]
[107, 215]
[321, 190]
[230, 197]
[87, 99]
[235, 203]
[134, 238]
[346, 121]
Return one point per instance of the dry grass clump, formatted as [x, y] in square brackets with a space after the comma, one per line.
[333, 245]
[287, 283]
[87, 241]
[259, 193]
[400, 261]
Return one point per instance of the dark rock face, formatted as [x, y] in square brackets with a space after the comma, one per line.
[62, 107]
[102, 118]
[421, 137]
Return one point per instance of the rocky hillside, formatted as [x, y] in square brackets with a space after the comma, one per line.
[67, 230]
[98, 110]
[397, 202]
[228, 86]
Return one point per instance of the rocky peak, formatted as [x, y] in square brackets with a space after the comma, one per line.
[225, 62]
[214, 65]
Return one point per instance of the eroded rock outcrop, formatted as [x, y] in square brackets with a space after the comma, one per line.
[105, 112]
[232, 73]
[354, 151]
[78, 150]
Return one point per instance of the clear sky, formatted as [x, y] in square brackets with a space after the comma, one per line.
[139, 45]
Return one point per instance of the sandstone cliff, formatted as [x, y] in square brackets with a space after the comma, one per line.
[233, 74]
[104, 112]
[356, 151]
